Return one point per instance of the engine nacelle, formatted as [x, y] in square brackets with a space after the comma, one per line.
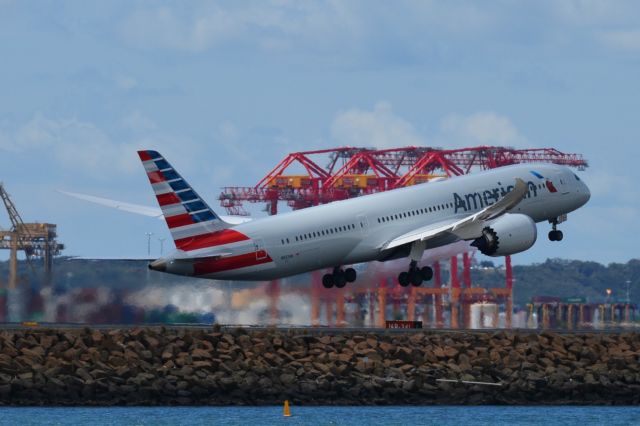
[511, 233]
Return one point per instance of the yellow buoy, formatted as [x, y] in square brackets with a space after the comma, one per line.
[287, 411]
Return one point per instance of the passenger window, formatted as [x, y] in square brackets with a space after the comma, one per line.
[288, 241]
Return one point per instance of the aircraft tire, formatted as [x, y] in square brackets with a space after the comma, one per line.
[350, 275]
[339, 279]
[555, 235]
[416, 278]
[327, 281]
[403, 279]
[427, 273]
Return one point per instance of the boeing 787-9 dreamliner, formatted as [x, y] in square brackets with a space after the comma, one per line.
[496, 210]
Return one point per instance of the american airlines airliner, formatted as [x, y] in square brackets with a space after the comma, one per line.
[496, 210]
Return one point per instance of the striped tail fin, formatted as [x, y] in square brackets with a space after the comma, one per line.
[190, 220]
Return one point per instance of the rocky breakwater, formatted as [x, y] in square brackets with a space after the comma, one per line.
[151, 366]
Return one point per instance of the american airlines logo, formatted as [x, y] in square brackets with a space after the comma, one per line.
[478, 200]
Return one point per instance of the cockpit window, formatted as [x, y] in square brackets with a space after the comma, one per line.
[577, 178]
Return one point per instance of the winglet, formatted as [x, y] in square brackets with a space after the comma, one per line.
[506, 203]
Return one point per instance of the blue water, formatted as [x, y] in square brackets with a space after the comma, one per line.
[468, 416]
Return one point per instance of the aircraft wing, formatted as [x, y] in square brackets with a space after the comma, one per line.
[140, 209]
[465, 228]
[120, 205]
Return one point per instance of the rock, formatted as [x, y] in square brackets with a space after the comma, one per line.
[5, 390]
[25, 376]
[202, 364]
[450, 352]
[439, 352]
[265, 383]
[200, 354]
[287, 379]
[387, 347]
[372, 343]
[84, 375]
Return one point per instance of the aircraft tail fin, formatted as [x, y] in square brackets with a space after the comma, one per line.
[188, 216]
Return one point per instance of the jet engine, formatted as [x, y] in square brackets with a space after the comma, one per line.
[509, 234]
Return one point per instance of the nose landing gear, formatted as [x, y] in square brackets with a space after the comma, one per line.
[339, 277]
[555, 234]
[415, 276]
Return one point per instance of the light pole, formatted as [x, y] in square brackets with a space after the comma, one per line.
[161, 245]
[148, 234]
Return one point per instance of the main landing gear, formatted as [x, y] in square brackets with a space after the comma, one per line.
[339, 277]
[415, 276]
[555, 234]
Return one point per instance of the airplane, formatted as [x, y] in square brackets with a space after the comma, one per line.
[495, 210]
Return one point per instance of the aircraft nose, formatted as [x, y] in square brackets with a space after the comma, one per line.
[585, 194]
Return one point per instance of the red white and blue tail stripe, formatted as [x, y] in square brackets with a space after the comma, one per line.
[191, 221]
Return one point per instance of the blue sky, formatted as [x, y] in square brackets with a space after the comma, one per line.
[227, 89]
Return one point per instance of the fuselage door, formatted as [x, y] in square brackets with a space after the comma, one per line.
[261, 253]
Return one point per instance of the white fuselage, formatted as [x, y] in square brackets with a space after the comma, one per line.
[355, 230]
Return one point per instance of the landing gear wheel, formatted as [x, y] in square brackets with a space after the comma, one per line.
[403, 279]
[555, 235]
[339, 279]
[427, 273]
[327, 281]
[350, 275]
[416, 278]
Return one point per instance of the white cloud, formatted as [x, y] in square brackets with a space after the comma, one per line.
[79, 146]
[593, 13]
[275, 25]
[379, 128]
[162, 27]
[138, 122]
[621, 39]
[126, 82]
[484, 128]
